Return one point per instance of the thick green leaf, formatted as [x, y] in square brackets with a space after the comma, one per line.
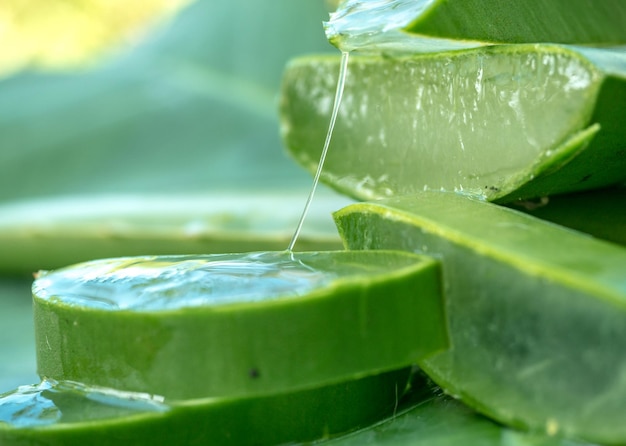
[503, 122]
[512, 21]
[536, 312]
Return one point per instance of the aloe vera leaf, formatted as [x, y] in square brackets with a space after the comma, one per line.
[609, 114]
[17, 342]
[67, 413]
[52, 233]
[427, 417]
[536, 313]
[504, 122]
[414, 24]
[562, 21]
[601, 213]
[238, 324]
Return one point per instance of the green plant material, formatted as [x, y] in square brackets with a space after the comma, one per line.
[17, 341]
[52, 233]
[426, 417]
[536, 313]
[420, 24]
[563, 21]
[239, 324]
[190, 109]
[504, 122]
[601, 213]
[66, 414]
[375, 27]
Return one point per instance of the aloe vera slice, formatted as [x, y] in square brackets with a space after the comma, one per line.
[505, 122]
[601, 213]
[536, 313]
[238, 324]
[52, 233]
[426, 417]
[363, 25]
[67, 413]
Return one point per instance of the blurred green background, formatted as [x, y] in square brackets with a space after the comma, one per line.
[192, 107]
[178, 97]
[76, 33]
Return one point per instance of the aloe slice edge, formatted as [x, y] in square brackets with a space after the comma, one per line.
[494, 122]
[536, 313]
[235, 324]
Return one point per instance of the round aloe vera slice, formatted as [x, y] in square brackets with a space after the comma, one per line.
[68, 413]
[236, 324]
[536, 313]
[504, 122]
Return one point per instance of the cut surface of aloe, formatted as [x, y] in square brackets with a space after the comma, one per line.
[503, 122]
[52, 233]
[358, 25]
[236, 324]
[68, 413]
[536, 313]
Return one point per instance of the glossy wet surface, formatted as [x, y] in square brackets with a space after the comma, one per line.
[53, 402]
[169, 282]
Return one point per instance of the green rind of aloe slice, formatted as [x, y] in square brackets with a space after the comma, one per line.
[68, 414]
[505, 122]
[536, 312]
[180, 327]
[427, 417]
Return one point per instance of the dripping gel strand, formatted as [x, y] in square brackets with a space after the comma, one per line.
[338, 95]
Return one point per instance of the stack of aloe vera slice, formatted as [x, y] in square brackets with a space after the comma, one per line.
[520, 319]
[230, 349]
[437, 129]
